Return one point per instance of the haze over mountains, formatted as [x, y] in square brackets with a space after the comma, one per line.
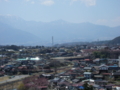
[14, 30]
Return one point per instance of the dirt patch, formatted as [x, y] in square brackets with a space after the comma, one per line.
[4, 78]
[10, 85]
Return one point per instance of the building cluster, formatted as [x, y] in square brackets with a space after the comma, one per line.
[98, 74]
[64, 68]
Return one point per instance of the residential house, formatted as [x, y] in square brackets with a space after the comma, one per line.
[103, 61]
[87, 75]
[113, 69]
[98, 77]
[103, 68]
[87, 69]
[116, 75]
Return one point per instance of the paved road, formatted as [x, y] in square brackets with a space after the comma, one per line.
[17, 77]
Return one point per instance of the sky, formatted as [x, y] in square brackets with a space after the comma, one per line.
[102, 12]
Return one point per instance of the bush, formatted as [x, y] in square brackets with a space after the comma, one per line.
[21, 87]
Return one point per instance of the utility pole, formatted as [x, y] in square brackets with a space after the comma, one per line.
[55, 68]
[52, 41]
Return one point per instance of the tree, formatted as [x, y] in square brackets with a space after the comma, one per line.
[34, 82]
[90, 87]
[87, 86]
[14, 47]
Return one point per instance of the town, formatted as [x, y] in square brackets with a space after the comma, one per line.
[78, 67]
[59, 45]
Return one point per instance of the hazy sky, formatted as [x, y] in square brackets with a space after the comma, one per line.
[105, 12]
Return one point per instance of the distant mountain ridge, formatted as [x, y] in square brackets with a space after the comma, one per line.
[10, 35]
[84, 43]
[115, 41]
[62, 31]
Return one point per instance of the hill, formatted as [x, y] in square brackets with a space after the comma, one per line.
[115, 41]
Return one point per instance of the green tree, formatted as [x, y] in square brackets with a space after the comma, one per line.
[87, 86]
[90, 87]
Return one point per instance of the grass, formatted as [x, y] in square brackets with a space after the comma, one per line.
[11, 85]
[4, 78]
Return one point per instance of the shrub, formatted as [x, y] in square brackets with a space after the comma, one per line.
[21, 87]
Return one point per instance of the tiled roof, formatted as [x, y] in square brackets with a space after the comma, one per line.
[106, 73]
[87, 72]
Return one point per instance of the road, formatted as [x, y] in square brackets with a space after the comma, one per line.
[17, 77]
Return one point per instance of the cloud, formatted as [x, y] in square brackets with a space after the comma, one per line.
[89, 2]
[9, 15]
[86, 2]
[117, 19]
[32, 2]
[27, 0]
[6, 0]
[73, 1]
[47, 2]
[102, 21]
[113, 22]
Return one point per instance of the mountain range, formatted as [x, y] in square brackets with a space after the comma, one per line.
[15, 30]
